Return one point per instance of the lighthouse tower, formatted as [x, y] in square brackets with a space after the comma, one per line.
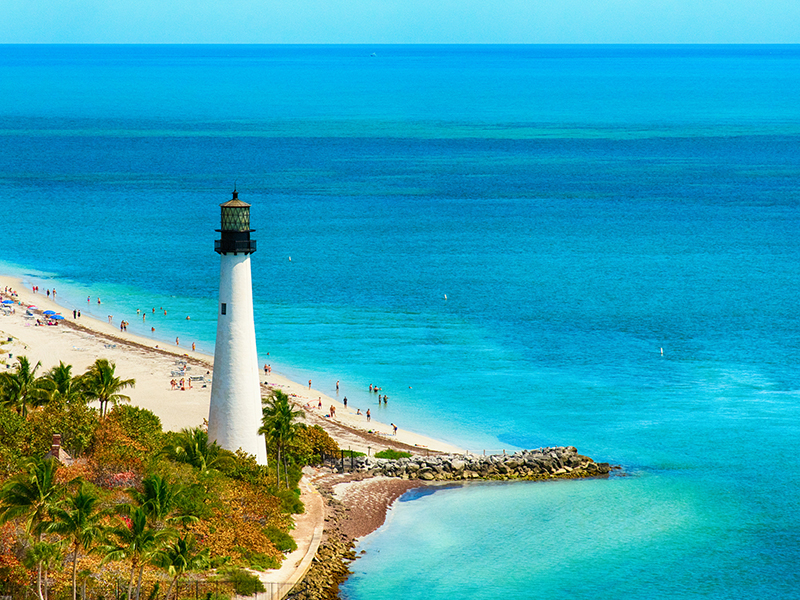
[235, 413]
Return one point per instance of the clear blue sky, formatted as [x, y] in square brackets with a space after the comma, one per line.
[399, 21]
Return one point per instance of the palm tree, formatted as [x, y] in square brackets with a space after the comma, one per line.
[80, 520]
[159, 499]
[21, 388]
[278, 426]
[44, 555]
[181, 557]
[137, 542]
[101, 383]
[192, 447]
[32, 495]
[60, 385]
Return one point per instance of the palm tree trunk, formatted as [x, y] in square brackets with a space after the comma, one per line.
[75, 573]
[286, 471]
[130, 581]
[279, 466]
[171, 585]
[39, 580]
[44, 580]
[139, 582]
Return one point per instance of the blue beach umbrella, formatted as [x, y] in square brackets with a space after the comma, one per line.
[8, 302]
[56, 317]
[49, 312]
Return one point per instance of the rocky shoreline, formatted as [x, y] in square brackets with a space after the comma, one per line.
[532, 465]
[370, 494]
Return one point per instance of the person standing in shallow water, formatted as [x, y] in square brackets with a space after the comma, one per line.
[368, 416]
[345, 401]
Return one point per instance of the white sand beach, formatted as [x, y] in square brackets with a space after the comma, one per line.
[79, 342]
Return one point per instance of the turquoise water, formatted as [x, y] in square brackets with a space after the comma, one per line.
[581, 208]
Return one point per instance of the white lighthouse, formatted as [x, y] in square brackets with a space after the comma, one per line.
[235, 413]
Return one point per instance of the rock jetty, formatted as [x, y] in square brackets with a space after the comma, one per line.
[542, 463]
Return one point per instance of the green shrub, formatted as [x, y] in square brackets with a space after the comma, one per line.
[353, 453]
[310, 443]
[392, 454]
[290, 501]
[15, 439]
[75, 421]
[244, 467]
[263, 562]
[282, 540]
[244, 583]
[139, 424]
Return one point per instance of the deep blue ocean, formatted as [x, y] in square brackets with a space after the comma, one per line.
[581, 207]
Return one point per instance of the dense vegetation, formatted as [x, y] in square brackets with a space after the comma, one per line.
[134, 510]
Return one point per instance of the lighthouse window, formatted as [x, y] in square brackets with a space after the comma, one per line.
[224, 308]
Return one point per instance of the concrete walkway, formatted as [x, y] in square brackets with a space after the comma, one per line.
[308, 534]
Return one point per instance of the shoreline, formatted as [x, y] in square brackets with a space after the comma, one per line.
[81, 341]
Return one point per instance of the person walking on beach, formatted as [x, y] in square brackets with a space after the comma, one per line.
[394, 427]
[345, 401]
[177, 341]
[74, 314]
[192, 346]
[309, 384]
[368, 416]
